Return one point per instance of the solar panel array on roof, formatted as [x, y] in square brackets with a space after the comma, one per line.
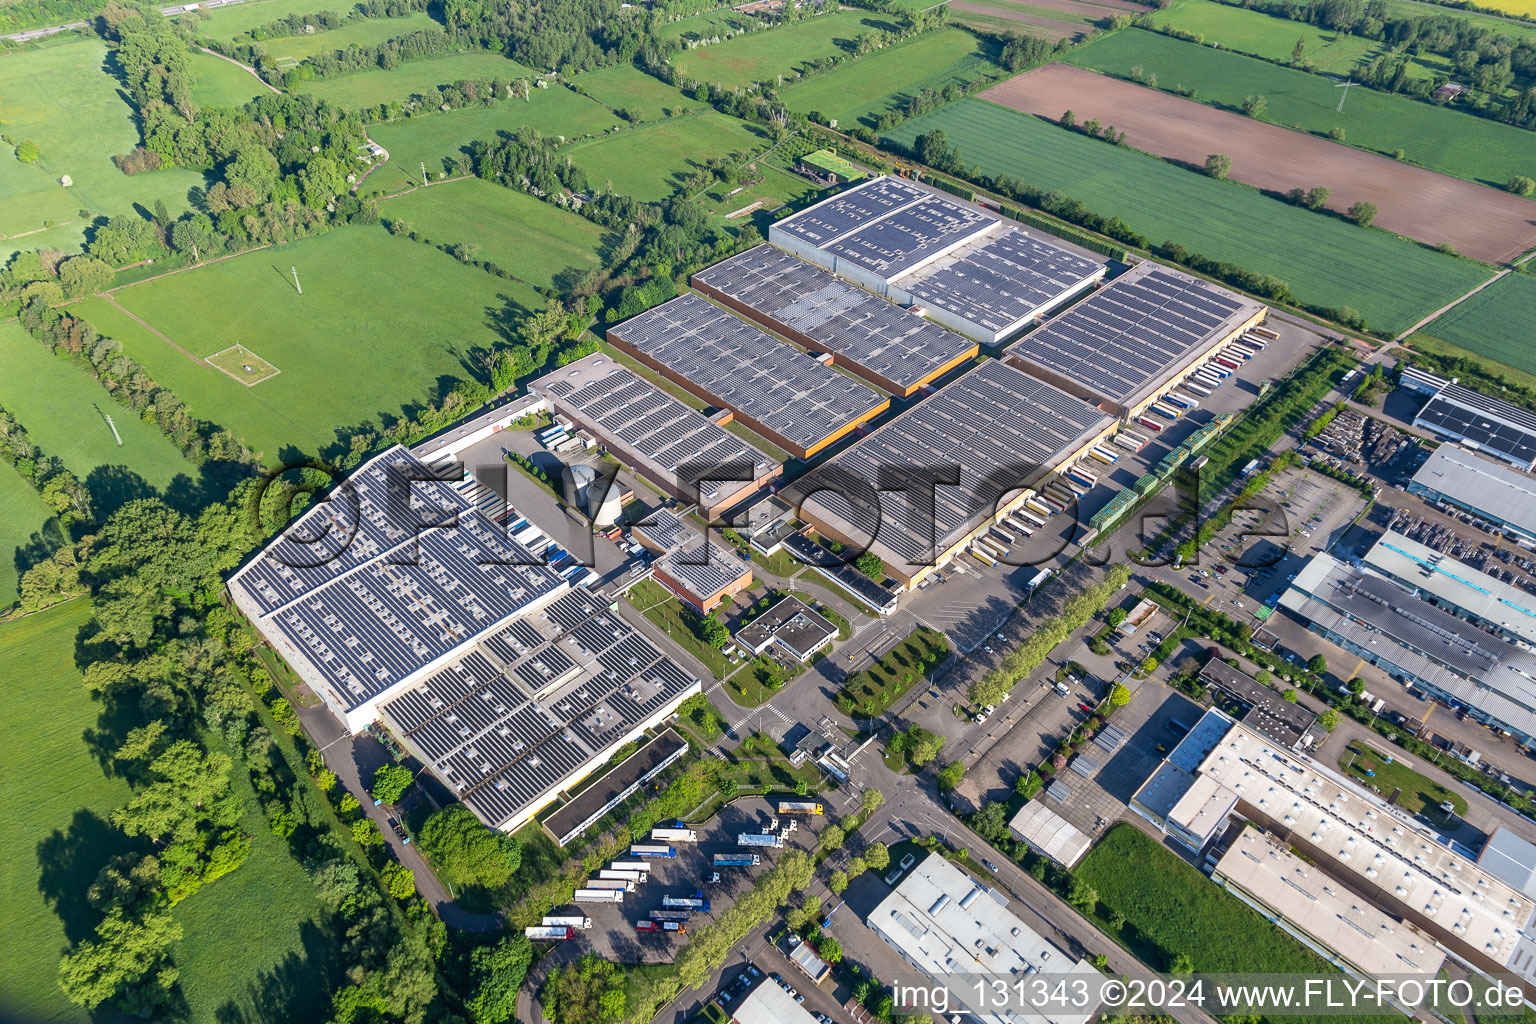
[1001, 281]
[501, 743]
[999, 424]
[653, 423]
[1492, 424]
[1123, 338]
[899, 241]
[830, 220]
[666, 530]
[705, 570]
[399, 596]
[745, 369]
[859, 327]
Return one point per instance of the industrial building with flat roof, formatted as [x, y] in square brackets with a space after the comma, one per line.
[797, 402]
[1377, 850]
[675, 447]
[1510, 858]
[616, 786]
[1129, 342]
[530, 710]
[1455, 586]
[882, 343]
[1453, 475]
[1301, 897]
[384, 598]
[705, 576]
[1005, 430]
[1263, 710]
[1485, 424]
[1445, 656]
[792, 626]
[770, 1004]
[948, 926]
[967, 268]
[1049, 834]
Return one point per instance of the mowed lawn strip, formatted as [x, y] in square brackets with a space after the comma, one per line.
[763, 56]
[1171, 908]
[881, 80]
[35, 85]
[1326, 261]
[1439, 138]
[350, 348]
[65, 413]
[1496, 322]
[218, 83]
[1484, 223]
[59, 837]
[438, 140]
[651, 162]
[523, 235]
[367, 89]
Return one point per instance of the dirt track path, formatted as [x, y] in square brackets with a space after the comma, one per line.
[1484, 223]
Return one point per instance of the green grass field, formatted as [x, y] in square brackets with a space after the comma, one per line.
[1418, 794]
[762, 56]
[880, 80]
[775, 186]
[370, 88]
[228, 22]
[522, 235]
[350, 350]
[1327, 262]
[1438, 138]
[1171, 908]
[1248, 31]
[366, 32]
[650, 162]
[706, 26]
[628, 88]
[29, 531]
[35, 86]
[221, 84]
[1496, 322]
[1415, 8]
[64, 411]
[436, 138]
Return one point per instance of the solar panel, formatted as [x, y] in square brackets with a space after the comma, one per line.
[1494, 426]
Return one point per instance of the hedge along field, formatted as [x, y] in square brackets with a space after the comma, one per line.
[370, 88]
[1326, 261]
[523, 235]
[650, 162]
[1260, 34]
[1438, 138]
[880, 80]
[222, 84]
[1413, 8]
[437, 140]
[348, 350]
[762, 56]
[228, 22]
[628, 88]
[35, 85]
[363, 32]
[65, 412]
[1496, 322]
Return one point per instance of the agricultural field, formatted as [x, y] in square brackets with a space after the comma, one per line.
[1049, 19]
[228, 22]
[65, 412]
[884, 79]
[1326, 261]
[370, 88]
[35, 86]
[1523, 7]
[651, 162]
[222, 84]
[1438, 138]
[349, 351]
[763, 56]
[366, 32]
[523, 235]
[1262, 35]
[1434, 208]
[1495, 322]
[437, 140]
[625, 87]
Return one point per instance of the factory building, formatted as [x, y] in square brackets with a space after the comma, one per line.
[1497, 428]
[1464, 479]
[1447, 583]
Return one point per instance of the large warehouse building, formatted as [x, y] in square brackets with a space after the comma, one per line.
[892, 348]
[1007, 431]
[1129, 343]
[1452, 475]
[671, 445]
[966, 267]
[1491, 425]
[1455, 586]
[527, 712]
[1447, 657]
[797, 402]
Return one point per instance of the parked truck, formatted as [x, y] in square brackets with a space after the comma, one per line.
[799, 807]
[674, 835]
[579, 923]
[598, 896]
[610, 875]
[629, 865]
[737, 860]
[548, 933]
[611, 883]
[695, 902]
[651, 850]
[671, 915]
[765, 839]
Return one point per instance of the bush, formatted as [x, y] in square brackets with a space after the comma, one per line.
[391, 782]
[464, 850]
